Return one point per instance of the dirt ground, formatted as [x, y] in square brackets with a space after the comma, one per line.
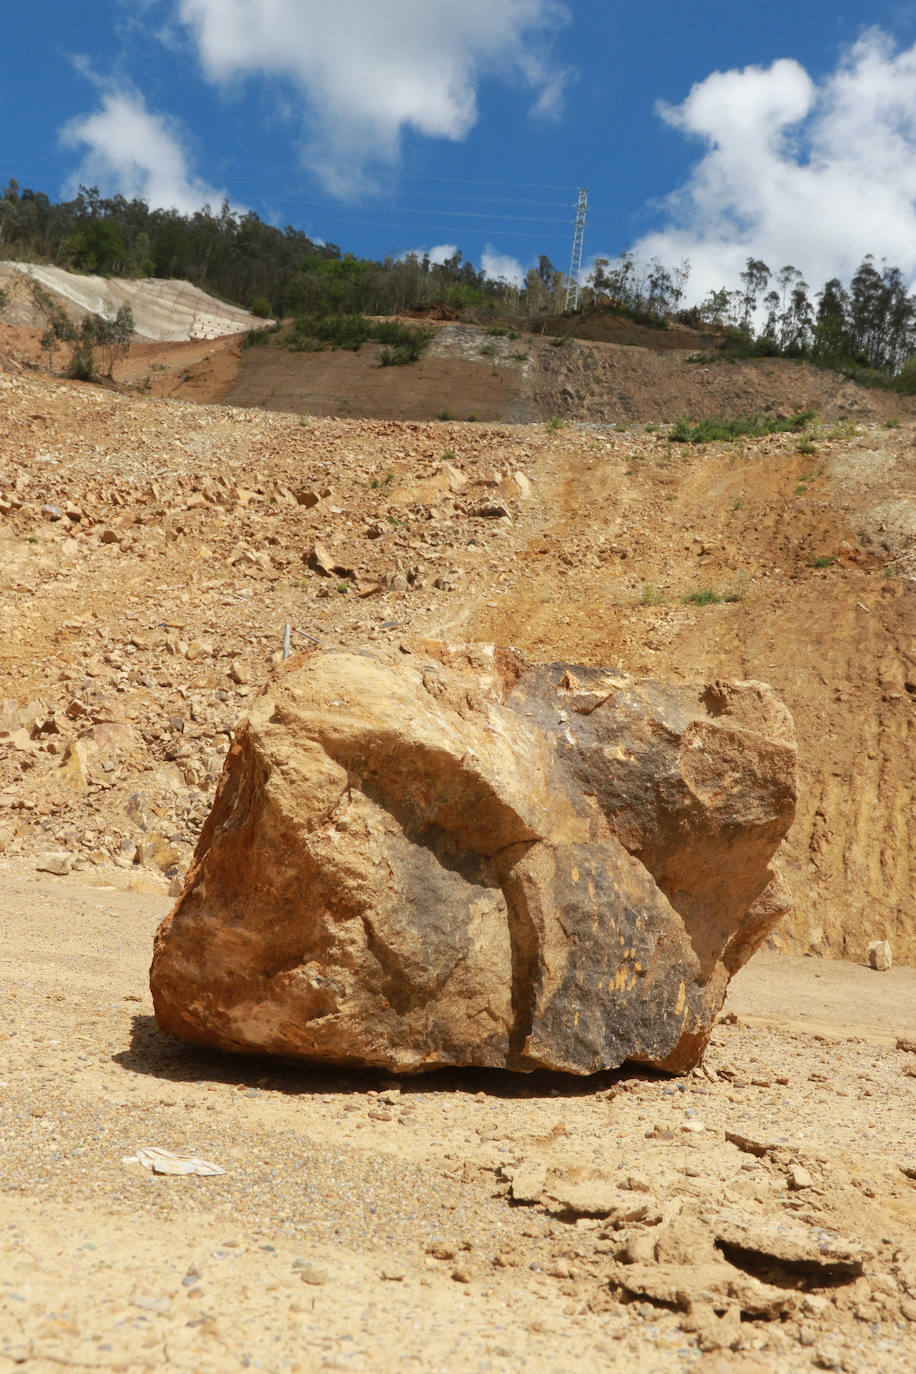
[368, 1224]
[151, 552]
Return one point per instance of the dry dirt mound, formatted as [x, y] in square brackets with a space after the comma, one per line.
[151, 552]
[163, 310]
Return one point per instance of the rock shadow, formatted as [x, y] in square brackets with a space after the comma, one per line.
[151, 1052]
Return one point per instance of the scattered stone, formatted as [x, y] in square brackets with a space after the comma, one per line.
[319, 559]
[689, 1286]
[310, 1274]
[149, 1303]
[804, 1250]
[753, 1145]
[528, 1180]
[54, 861]
[799, 1177]
[601, 1197]
[879, 955]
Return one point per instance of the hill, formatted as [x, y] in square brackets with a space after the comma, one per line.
[151, 552]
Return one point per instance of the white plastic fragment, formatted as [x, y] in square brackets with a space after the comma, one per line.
[167, 1162]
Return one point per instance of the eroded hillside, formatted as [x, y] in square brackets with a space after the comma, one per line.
[151, 552]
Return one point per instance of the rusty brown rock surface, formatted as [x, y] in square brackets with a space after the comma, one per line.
[447, 857]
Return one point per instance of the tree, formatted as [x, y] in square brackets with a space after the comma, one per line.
[754, 280]
[797, 320]
[716, 306]
[113, 337]
[681, 277]
[831, 340]
[660, 298]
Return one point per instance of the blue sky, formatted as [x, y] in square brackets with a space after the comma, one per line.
[712, 131]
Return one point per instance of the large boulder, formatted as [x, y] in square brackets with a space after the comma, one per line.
[448, 857]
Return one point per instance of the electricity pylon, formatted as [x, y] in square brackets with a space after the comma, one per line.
[575, 262]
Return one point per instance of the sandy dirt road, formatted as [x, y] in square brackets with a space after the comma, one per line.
[364, 1223]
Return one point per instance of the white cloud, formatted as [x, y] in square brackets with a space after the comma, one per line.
[793, 172]
[369, 70]
[437, 255]
[127, 149]
[501, 267]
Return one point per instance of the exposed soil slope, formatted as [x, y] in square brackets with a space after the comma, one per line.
[150, 553]
[471, 374]
[163, 310]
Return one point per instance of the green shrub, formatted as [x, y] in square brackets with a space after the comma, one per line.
[707, 597]
[260, 307]
[726, 428]
[81, 366]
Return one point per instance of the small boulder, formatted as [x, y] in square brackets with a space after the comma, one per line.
[54, 861]
[879, 955]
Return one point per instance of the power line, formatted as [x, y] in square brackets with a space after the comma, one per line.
[467, 230]
[469, 181]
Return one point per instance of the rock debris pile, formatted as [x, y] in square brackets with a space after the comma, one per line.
[151, 555]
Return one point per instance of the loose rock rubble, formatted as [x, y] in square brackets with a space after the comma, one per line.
[131, 623]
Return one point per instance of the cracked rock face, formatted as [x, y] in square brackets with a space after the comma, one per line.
[449, 858]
